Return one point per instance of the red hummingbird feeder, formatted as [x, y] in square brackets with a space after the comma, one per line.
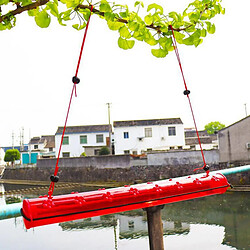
[55, 209]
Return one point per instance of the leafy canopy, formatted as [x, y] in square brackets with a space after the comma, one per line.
[11, 155]
[190, 26]
[104, 151]
[214, 127]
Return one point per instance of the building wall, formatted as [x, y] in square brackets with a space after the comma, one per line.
[107, 161]
[137, 142]
[179, 158]
[32, 146]
[74, 147]
[233, 142]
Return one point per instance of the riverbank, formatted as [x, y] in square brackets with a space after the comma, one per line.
[42, 186]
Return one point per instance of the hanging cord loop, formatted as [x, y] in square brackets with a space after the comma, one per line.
[187, 93]
[54, 178]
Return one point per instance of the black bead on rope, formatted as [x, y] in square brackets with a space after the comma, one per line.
[75, 79]
[54, 178]
[186, 92]
[206, 168]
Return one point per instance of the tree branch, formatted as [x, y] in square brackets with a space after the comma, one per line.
[21, 9]
[121, 20]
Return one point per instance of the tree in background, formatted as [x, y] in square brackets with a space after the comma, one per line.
[104, 151]
[150, 25]
[214, 127]
[11, 155]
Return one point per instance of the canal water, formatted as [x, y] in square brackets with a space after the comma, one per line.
[211, 223]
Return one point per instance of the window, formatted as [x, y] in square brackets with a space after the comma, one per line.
[65, 154]
[65, 140]
[36, 146]
[125, 135]
[99, 138]
[126, 152]
[171, 131]
[148, 132]
[83, 139]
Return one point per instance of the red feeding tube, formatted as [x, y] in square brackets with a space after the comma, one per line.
[56, 209]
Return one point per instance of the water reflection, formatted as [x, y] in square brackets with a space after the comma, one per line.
[216, 222]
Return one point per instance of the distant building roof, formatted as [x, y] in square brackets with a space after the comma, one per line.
[83, 129]
[205, 138]
[47, 140]
[50, 141]
[151, 122]
[36, 140]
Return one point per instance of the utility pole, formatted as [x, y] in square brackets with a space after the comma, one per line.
[110, 130]
[245, 108]
[13, 140]
[22, 139]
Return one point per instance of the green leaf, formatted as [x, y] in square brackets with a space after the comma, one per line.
[149, 39]
[134, 26]
[105, 7]
[198, 42]
[156, 7]
[65, 15]
[42, 19]
[139, 3]
[78, 26]
[33, 12]
[114, 25]
[53, 8]
[124, 32]
[160, 53]
[173, 15]
[2, 2]
[188, 41]
[211, 29]
[179, 37]
[109, 16]
[138, 35]
[86, 13]
[166, 43]
[148, 19]
[71, 3]
[125, 44]
[194, 16]
[203, 33]
[2, 27]
[124, 14]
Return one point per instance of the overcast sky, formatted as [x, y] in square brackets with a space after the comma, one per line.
[37, 66]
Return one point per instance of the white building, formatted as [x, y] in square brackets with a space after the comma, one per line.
[138, 136]
[78, 139]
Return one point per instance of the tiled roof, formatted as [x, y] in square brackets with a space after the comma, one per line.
[50, 141]
[151, 122]
[83, 129]
[194, 141]
[36, 140]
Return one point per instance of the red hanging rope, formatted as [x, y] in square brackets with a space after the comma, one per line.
[187, 92]
[54, 178]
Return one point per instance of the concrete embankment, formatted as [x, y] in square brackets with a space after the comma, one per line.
[110, 169]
